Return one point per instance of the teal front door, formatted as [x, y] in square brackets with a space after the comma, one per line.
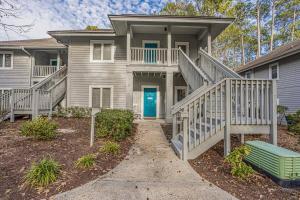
[150, 96]
[150, 55]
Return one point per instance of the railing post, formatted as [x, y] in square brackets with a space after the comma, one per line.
[169, 45]
[174, 127]
[35, 103]
[50, 106]
[12, 103]
[184, 116]
[273, 104]
[227, 117]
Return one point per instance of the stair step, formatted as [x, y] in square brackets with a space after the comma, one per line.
[177, 147]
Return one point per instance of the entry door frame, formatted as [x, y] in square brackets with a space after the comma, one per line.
[151, 42]
[157, 99]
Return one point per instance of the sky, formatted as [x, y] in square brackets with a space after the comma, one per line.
[46, 15]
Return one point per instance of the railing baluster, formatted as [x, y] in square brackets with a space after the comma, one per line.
[216, 108]
[262, 102]
[247, 102]
[252, 103]
[200, 119]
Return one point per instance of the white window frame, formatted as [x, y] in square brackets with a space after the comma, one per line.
[3, 60]
[151, 41]
[102, 42]
[176, 91]
[157, 99]
[51, 60]
[270, 70]
[249, 72]
[187, 44]
[101, 89]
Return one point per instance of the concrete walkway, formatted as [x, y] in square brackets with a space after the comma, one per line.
[151, 171]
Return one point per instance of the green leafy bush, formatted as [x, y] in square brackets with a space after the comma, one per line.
[75, 111]
[293, 121]
[43, 173]
[86, 161]
[114, 123]
[39, 128]
[110, 148]
[238, 167]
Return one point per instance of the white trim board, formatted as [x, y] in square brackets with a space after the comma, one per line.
[150, 41]
[101, 86]
[157, 99]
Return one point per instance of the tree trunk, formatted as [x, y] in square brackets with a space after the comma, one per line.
[258, 27]
[243, 50]
[272, 25]
[294, 24]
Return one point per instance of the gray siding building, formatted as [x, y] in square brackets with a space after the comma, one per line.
[283, 65]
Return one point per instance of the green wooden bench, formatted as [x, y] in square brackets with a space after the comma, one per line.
[280, 164]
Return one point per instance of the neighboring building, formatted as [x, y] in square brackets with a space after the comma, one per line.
[283, 65]
[26, 62]
[153, 65]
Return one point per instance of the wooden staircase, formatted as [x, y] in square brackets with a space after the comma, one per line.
[221, 103]
[36, 100]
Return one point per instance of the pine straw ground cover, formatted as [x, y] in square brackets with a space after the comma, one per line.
[18, 152]
[211, 167]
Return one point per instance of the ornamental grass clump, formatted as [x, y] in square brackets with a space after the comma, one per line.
[86, 161]
[43, 173]
[114, 123]
[39, 128]
[238, 167]
[110, 148]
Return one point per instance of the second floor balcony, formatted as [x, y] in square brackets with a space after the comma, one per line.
[154, 56]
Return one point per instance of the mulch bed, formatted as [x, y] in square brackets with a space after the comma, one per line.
[211, 166]
[17, 154]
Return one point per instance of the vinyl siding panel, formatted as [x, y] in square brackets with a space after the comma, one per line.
[83, 73]
[19, 76]
[288, 84]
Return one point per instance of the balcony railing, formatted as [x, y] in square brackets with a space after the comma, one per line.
[43, 70]
[155, 56]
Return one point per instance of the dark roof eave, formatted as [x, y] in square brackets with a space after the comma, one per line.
[266, 62]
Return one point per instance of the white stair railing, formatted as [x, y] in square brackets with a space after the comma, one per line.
[213, 110]
[43, 70]
[192, 74]
[5, 104]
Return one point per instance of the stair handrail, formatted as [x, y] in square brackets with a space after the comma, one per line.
[228, 71]
[193, 96]
[200, 71]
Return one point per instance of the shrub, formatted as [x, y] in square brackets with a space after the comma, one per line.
[110, 148]
[238, 167]
[281, 110]
[293, 121]
[114, 123]
[86, 161]
[76, 111]
[43, 173]
[39, 128]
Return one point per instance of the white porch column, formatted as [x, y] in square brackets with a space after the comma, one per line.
[209, 40]
[128, 44]
[169, 45]
[129, 92]
[169, 96]
[58, 60]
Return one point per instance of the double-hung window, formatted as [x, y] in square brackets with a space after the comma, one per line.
[274, 71]
[248, 74]
[102, 51]
[6, 60]
[101, 96]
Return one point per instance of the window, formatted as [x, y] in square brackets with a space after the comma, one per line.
[248, 74]
[101, 96]
[53, 62]
[180, 93]
[274, 71]
[102, 50]
[184, 46]
[6, 60]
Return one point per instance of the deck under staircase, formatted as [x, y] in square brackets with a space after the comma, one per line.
[36, 100]
[221, 103]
